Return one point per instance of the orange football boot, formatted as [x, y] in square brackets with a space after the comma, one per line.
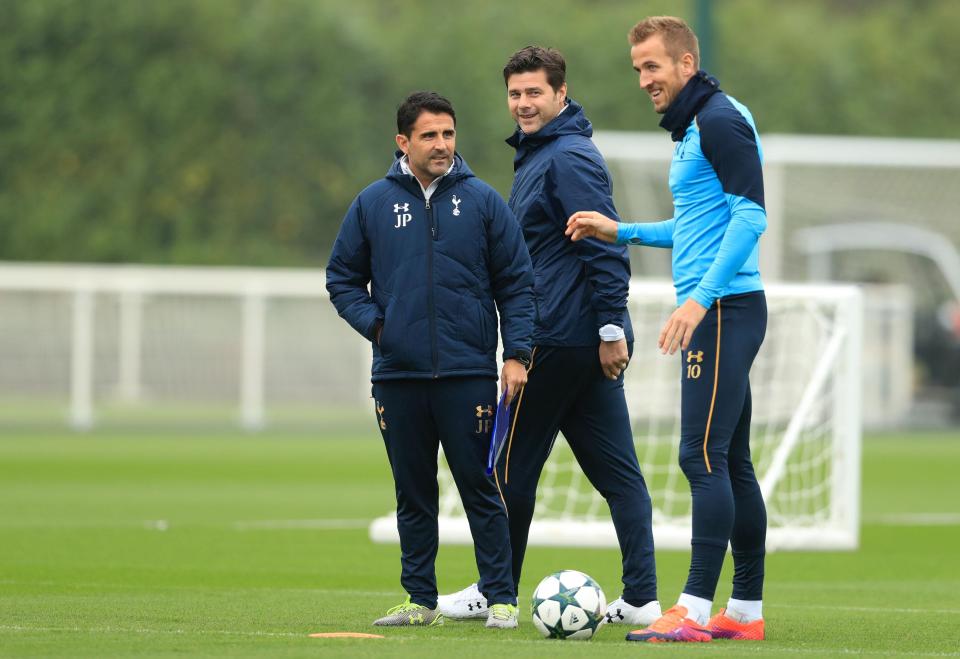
[721, 626]
[672, 626]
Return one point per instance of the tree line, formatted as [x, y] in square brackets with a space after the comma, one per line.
[238, 131]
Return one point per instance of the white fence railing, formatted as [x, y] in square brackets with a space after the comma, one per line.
[254, 347]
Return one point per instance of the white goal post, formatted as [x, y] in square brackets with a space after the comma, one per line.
[805, 439]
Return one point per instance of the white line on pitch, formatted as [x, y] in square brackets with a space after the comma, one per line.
[864, 609]
[914, 519]
[164, 525]
[936, 584]
[141, 630]
[149, 524]
[308, 524]
[337, 592]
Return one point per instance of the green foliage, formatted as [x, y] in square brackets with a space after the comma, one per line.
[180, 131]
[856, 68]
[238, 131]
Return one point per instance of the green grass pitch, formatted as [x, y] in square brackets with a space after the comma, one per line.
[234, 545]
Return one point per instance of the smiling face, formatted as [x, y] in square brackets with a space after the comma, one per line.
[532, 101]
[430, 146]
[661, 76]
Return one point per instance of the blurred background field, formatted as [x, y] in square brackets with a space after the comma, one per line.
[223, 544]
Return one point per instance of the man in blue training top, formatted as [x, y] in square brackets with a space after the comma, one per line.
[717, 185]
[438, 248]
[582, 335]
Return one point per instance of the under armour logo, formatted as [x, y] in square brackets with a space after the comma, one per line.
[471, 606]
[456, 205]
[611, 615]
[402, 215]
[694, 355]
[484, 425]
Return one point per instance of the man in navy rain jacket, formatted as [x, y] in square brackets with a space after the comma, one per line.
[582, 335]
[442, 253]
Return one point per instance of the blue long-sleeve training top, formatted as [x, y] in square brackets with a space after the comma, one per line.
[716, 178]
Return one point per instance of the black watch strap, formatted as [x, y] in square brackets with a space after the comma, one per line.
[522, 356]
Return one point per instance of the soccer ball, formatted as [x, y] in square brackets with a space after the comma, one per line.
[568, 604]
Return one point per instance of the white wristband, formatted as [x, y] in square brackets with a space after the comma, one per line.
[611, 333]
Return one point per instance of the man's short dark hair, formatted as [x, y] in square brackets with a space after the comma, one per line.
[677, 36]
[417, 103]
[534, 58]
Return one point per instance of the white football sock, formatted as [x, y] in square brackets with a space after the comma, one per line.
[698, 609]
[744, 610]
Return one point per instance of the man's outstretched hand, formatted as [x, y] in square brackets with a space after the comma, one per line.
[591, 224]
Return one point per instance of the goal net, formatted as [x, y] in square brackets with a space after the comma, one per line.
[805, 437]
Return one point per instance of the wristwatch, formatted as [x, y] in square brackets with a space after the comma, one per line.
[611, 333]
[522, 356]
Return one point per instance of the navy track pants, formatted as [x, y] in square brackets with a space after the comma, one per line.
[415, 417]
[567, 392]
[715, 447]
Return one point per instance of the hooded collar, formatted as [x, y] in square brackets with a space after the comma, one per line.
[688, 102]
[434, 184]
[405, 167]
[570, 121]
[458, 170]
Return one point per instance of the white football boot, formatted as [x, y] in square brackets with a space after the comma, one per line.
[621, 613]
[463, 605]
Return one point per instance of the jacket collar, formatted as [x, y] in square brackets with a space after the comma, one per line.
[405, 167]
[688, 103]
[458, 171]
[570, 121]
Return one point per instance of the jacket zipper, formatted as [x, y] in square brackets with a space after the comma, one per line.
[430, 301]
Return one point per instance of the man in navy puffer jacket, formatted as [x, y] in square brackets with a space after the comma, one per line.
[441, 252]
[582, 333]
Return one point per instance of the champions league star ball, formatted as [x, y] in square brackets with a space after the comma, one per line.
[568, 604]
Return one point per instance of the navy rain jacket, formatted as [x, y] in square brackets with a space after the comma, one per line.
[579, 286]
[435, 270]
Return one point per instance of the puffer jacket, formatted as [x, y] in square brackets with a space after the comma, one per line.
[438, 272]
